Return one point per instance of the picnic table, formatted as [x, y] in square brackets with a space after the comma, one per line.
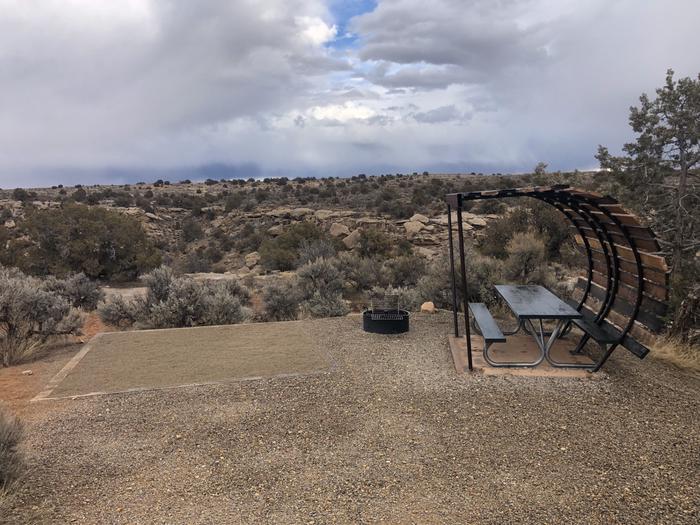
[532, 305]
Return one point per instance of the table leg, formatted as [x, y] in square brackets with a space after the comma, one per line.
[552, 339]
[517, 328]
[534, 363]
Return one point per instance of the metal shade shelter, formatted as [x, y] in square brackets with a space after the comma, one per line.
[625, 288]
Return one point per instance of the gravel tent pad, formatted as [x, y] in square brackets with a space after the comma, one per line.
[121, 361]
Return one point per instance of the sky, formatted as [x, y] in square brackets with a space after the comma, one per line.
[98, 91]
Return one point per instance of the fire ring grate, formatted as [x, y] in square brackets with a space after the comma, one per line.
[379, 321]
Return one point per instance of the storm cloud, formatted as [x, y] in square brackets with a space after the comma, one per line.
[95, 89]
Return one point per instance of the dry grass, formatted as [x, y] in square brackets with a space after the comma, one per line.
[10, 458]
[681, 355]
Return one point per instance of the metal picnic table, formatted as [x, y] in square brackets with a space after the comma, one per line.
[535, 303]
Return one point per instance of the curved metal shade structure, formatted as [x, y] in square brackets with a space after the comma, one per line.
[625, 287]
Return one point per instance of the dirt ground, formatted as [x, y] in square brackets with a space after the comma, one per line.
[390, 434]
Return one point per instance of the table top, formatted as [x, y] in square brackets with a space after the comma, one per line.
[535, 302]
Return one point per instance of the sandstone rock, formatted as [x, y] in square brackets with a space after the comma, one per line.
[298, 213]
[477, 222]
[370, 220]
[152, 216]
[353, 239]
[323, 215]
[428, 307]
[279, 212]
[338, 229]
[275, 230]
[419, 218]
[413, 227]
[252, 259]
[9, 223]
[425, 252]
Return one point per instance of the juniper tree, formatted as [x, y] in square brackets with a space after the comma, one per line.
[658, 175]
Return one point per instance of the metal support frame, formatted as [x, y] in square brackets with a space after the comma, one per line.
[452, 271]
[465, 293]
[585, 208]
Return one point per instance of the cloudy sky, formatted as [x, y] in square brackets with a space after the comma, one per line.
[105, 90]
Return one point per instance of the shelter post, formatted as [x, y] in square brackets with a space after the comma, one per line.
[463, 271]
[452, 272]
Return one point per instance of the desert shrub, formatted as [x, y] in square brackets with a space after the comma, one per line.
[436, 284]
[30, 316]
[102, 244]
[223, 307]
[374, 242]
[123, 200]
[11, 462]
[406, 270]
[144, 204]
[194, 262]
[482, 274]
[325, 305]
[552, 227]
[310, 250]
[234, 201]
[281, 301]
[321, 275]
[489, 206]
[191, 230]
[526, 256]
[172, 302]
[248, 238]
[119, 312]
[499, 231]
[282, 252]
[363, 273]
[79, 290]
[20, 194]
[158, 283]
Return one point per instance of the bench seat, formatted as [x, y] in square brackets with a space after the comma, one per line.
[605, 333]
[487, 325]
[601, 333]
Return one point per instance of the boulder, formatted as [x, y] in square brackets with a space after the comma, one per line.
[352, 240]
[252, 259]
[477, 222]
[298, 213]
[338, 229]
[152, 216]
[9, 224]
[413, 227]
[419, 218]
[428, 307]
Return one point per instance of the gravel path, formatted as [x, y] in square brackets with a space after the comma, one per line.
[391, 434]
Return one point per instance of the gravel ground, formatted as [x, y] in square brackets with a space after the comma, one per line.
[391, 434]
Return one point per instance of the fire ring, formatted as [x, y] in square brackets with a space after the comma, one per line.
[385, 321]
